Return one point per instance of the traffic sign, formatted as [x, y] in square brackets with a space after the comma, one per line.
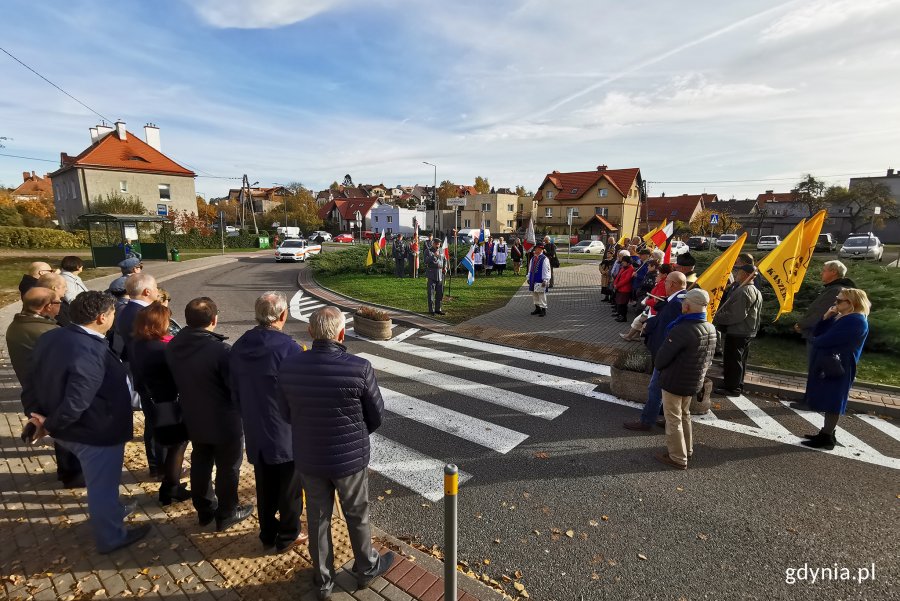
[714, 219]
[162, 209]
[456, 202]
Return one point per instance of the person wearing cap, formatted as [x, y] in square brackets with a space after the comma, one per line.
[539, 274]
[738, 318]
[685, 264]
[129, 266]
[434, 270]
[682, 361]
[399, 251]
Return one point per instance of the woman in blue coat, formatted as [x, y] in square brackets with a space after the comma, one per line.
[838, 339]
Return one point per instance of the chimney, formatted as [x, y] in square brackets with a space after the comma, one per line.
[94, 134]
[770, 191]
[890, 173]
[24, 176]
[151, 136]
[103, 131]
[663, 195]
[601, 167]
[33, 176]
[120, 130]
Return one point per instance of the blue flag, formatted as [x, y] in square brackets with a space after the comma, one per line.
[481, 232]
[469, 263]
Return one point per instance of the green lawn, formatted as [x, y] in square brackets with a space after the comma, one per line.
[13, 267]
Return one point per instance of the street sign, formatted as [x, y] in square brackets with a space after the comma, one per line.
[456, 202]
[420, 207]
[162, 209]
[714, 219]
[877, 211]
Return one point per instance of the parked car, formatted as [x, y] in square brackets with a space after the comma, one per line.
[725, 240]
[862, 246]
[591, 247]
[344, 238]
[826, 243]
[699, 243]
[768, 242]
[679, 248]
[296, 250]
[325, 236]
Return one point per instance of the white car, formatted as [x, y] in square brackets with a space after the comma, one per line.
[725, 240]
[296, 250]
[679, 248]
[326, 237]
[862, 246]
[593, 247]
[768, 242]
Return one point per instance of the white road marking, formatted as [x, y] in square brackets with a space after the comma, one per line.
[496, 396]
[309, 301]
[885, 426]
[294, 306]
[576, 364]
[404, 335]
[483, 433]
[409, 468]
[762, 419]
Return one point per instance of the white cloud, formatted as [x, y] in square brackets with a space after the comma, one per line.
[821, 15]
[256, 14]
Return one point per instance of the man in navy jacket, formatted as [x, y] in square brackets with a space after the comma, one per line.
[254, 362]
[77, 389]
[655, 336]
[333, 404]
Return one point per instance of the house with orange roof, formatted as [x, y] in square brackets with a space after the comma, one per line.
[612, 194]
[341, 212]
[118, 163]
[675, 208]
[33, 187]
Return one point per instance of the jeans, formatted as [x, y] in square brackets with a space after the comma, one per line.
[654, 400]
[102, 467]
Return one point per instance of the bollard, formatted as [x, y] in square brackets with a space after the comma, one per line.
[451, 486]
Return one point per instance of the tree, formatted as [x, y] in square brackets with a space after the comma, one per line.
[35, 213]
[521, 191]
[348, 181]
[302, 210]
[727, 224]
[206, 212]
[8, 213]
[334, 186]
[445, 191]
[482, 185]
[183, 221]
[861, 201]
[811, 192]
[116, 204]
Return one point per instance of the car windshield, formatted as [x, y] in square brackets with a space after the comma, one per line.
[860, 242]
[823, 237]
[728, 237]
[292, 244]
[768, 239]
[583, 243]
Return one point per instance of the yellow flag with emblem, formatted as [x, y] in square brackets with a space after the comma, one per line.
[715, 279]
[648, 237]
[622, 240]
[781, 268]
[807, 246]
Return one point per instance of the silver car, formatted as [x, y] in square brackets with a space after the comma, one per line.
[862, 247]
[589, 247]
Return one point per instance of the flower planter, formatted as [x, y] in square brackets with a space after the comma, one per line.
[629, 385]
[372, 329]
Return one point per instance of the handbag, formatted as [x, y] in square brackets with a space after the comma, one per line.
[829, 367]
[167, 414]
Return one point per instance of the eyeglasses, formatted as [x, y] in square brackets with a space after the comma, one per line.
[43, 271]
[841, 300]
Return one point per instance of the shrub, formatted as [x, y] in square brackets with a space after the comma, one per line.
[637, 360]
[372, 313]
[39, 237]
[350, 260]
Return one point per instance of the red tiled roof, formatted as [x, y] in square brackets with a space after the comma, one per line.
[347, 207]
[677, 207]
[34, 185]
[776, 197]
[606, 224]
[131, 154]
[573, 185]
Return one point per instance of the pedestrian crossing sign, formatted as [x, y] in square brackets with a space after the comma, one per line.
[714, 219]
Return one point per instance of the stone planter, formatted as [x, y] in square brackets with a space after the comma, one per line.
[372, 329]
[629, 385]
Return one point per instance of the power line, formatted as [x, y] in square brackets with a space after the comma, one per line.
[738, 181]
[7, 53]
[16, 156]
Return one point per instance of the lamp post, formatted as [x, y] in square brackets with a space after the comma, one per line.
[434, 198]
[284, 203]
[358, 217]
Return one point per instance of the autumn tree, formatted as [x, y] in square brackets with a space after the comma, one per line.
[8, 213]
[186, 222]
[701, 223]
[445, 191]
[861, 201]
[521, 191]
[301, 207]
[334, 186]
[482, 185]
[811, 192]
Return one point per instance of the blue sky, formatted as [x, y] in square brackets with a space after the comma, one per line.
[307, 91]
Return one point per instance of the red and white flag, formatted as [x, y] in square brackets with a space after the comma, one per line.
[414, 247]
[445, 248]
[662, 236]
[529, 241]
[382, 242]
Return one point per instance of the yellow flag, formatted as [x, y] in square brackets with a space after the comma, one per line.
[807, 247]
[649, 235]
[780, 268]
[715, 279]
[621, 241]
[371, 256]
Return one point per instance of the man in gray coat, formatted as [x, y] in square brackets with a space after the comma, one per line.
[434, 269]
[683, 361]
[738, 318]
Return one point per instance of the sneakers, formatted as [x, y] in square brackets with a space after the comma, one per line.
[384, 564]
[240, 514]
[132, 535]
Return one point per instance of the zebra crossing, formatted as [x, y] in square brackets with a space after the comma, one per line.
[457, 389]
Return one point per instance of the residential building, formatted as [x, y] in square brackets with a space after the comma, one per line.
[33, 187]
[341, 213]
[614, 194]
[264, 199]
[396, 220]
[888, 229]
[744, 212]
[499, 212]
[675, 208]
[118, 163]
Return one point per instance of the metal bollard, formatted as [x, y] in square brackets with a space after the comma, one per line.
[451, 486]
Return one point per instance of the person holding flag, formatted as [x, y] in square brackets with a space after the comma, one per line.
[414, 249]
[738, 319]
[374, 250]
[517, 252]
[539, 280]
[530, 240]
[435, 266]
[468, 262]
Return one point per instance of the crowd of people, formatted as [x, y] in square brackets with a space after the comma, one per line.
[302, 416]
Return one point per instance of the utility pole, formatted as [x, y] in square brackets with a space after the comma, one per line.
[248, 198]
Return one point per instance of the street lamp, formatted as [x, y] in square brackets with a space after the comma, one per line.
[434, 198]
[358, 217]
[283, 202]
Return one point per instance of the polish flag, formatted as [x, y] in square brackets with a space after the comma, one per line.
[382, 242]
[445, 248]
[529, 241]
[660, 237]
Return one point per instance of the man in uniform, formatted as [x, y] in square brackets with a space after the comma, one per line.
[399, 251]
[434, 269]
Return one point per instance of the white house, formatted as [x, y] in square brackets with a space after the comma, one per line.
[395, 220]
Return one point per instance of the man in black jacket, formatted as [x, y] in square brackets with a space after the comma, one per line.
[655, 334]
[682, 361]
[77, 390]
[198, 358]
[333, 404]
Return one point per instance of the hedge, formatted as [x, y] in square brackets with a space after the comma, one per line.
[40, 237]
[195, 239]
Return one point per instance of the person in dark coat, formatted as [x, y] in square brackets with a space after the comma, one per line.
[838, 337]
[255, 359]
[550, 252]
[654, 335]
[30, 279]
[199, 360]
[332, 401]
[159, 397]
[738, 318]
[682, 361]
[399, 250]
[58, 284]
[77, 390]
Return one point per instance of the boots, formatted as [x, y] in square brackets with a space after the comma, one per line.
[543, 312]
[822, 440]
[632, 335]
[537, 310]
[172, 494]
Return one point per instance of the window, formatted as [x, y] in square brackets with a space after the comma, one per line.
[510, 208]
[485, 207]
[487, 223]
[390, 219]
[549, 194]
[165, 192]
[754, 232]
[651, 213]
[388, 231]
[521, 206]
[602, 211]
[376, 218]
[603, 192]
[574, 211]
[548, 212]
[123, 186]
[467, 223]
[574, 190]
[509, 223]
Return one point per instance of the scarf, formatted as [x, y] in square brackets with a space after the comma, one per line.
[685, 317]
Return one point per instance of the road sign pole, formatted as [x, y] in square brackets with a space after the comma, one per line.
[451, 487]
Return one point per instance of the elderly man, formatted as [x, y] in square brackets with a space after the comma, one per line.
[738, 319]
[539, 276]
[682, 361]
[77, 390]
[434, 270]
[199, 360]
[30, 279]
[254, 363]
[333, 404]
[129, 267]
[57, 284]
[71, 268]
[655, 335]
[685, 264]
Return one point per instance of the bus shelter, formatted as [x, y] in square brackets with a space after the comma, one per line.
[109, 234]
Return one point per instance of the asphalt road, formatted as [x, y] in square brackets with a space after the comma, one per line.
[559, 491]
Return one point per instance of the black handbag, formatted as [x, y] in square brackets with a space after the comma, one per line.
[829, 367]
[167, 414]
